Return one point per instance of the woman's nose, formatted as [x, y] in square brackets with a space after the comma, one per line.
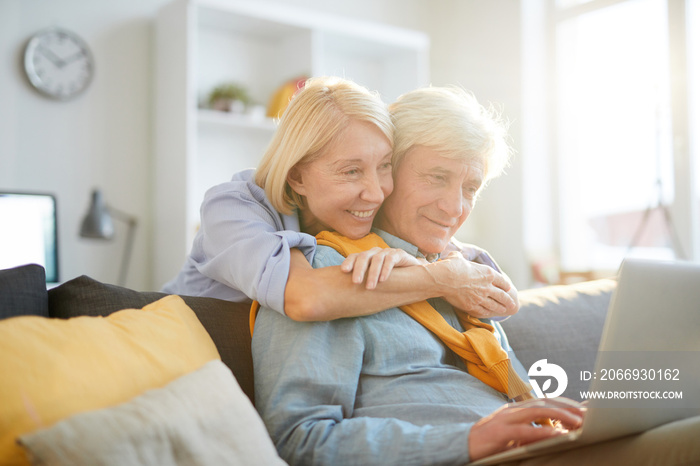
[374, 189]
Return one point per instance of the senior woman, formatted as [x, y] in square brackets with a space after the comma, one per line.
[334, 145]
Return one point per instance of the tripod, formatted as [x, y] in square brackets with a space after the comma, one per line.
[677, 247]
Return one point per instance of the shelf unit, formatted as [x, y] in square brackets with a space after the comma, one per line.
[261, 45]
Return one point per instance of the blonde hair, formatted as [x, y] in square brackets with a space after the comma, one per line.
[315, 118]
[452, 122]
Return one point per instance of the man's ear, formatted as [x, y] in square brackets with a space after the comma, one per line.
[295, 179]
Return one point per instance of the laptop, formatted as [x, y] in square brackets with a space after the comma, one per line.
[646, 372]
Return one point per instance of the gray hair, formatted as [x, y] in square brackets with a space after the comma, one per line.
[450, 121]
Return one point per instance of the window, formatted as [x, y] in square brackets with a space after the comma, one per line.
[619, 176]
[614, 134]
[693, 28]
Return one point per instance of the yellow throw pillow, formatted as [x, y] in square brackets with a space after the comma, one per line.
[53, 368]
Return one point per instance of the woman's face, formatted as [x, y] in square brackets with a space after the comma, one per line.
[346, 185]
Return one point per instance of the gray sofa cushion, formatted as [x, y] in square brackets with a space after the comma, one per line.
[562, 324]
[23, 292]
[225, 321]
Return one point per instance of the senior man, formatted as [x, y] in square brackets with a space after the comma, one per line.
[402, 386]
[394, 387]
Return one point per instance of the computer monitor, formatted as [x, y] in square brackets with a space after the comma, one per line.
[28, 231]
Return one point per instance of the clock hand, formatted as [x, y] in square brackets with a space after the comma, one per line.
[73, 57]
[51, 56]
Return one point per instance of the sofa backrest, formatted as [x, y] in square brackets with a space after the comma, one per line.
[225, 321]
[562, 324]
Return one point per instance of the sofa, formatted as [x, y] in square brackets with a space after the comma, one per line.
[562, 324]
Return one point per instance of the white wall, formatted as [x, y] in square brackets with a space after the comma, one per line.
[103, 138]
[100, 139]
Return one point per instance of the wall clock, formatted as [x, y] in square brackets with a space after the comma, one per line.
[58, 63]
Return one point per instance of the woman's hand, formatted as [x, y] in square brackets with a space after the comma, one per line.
[376, 264]
[474, 288]
[512, 425]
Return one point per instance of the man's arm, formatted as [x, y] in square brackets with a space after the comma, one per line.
[329, 293]
[306, 379]
[513, 425]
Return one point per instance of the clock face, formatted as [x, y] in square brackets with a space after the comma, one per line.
[58, 63]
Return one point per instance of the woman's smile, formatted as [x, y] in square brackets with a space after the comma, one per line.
[363, 213]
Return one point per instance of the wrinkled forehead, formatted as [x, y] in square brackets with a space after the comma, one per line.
[421, 159]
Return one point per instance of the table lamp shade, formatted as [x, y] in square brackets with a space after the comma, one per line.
[97, 223]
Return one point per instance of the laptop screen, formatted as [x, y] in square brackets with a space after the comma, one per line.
[28, 233]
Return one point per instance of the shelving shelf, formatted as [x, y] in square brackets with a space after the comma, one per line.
[260, 45]
[216, 118]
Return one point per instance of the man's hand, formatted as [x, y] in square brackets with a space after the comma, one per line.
[376, 264]
[512, 425]
[474, 288]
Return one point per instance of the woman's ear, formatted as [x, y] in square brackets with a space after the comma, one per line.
[295, 179]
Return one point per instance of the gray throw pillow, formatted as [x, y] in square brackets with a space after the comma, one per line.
[23, 292]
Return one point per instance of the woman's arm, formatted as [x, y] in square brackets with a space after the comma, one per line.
[329, 293]
[244, 244]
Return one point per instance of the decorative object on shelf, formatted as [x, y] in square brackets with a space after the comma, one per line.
[250, 120]
[58, 63]
[98, 224]
[280, 99]
[229, 97]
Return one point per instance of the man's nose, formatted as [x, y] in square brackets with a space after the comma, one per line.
[452, 202]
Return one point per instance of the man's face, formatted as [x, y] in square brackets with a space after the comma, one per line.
[433, 196]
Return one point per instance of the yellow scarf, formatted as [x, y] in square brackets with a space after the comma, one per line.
[477, 345]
